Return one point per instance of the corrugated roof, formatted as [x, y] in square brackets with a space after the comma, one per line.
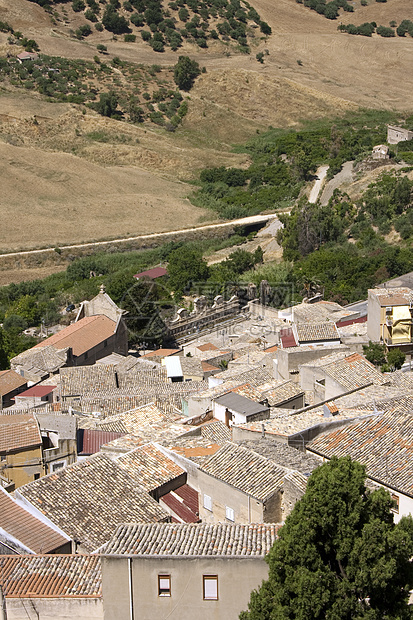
[240, 404]
[245, 470]
[89, 441]
[88, 499]
[38, 391]
[203, 539]
[183, 502]
[9, 381]
[156, 272]
[18, 431]
[28, 530]
[51, 576]
[82, 335]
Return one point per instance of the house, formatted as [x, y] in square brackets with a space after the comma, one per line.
[381, 151]
[52, 586]
[232, 408]
[89, 499]
[160, 354]
[384, 445]
[26, 57]
[238, 485]
[398, 134]
[21, 454]
[288, 360]
[58, 433]
[180, 571]
[11, 384]
[37, 364]
[89, 339]
[35, 396]
[22, 532]
[390, 317]
[183, 369]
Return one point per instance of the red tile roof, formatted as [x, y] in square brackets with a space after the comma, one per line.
[18, 431]
[82, 335]
[38, 391]
[208, 346]
[26, 528]
[162, 353]
[51, 576]
[156, 272]
[9, 381]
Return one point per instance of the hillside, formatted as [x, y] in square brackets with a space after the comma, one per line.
[69, 164]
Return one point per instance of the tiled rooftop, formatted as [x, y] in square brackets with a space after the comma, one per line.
[18, 431]
[88, 499]
[281, 393]
[216, 431]
[354, 371]
[314, 332]
[9, 381]
[282, 454]
[384, 443]
[203, 539]
[399, 296]
[51, 576]
[319, 312]
[26, 528]
[149, 465]
[195, 448]
[82, 335]
[246, 470]
[287, 423]
[44, 359]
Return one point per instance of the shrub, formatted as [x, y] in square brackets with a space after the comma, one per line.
[91, 16]
[383, 31]
[78, 5]
[101, 48]
[146, 36]
[130, 38]
[99, 27]
[137, 19]
[83, 31]
[185, 72]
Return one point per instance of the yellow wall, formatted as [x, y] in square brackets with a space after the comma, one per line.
[20, 467]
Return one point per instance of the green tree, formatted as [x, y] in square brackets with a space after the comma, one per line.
[4, 360]
[185, 72]
[107, 104]
[185, 267]
[375, 353]
[339, 555]
[395, 359]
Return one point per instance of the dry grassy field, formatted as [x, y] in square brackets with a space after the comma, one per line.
[60, 187]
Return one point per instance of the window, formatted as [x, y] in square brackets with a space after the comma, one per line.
[207, 502]
[58, 465]
[395, 499]
[210, 587]
[164, 585]
[36, 476]
[229, 513]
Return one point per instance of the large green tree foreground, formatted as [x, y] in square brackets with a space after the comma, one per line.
[339, 554]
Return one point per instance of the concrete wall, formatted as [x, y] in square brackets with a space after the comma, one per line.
[373, 318]
[291, 495]
[246, 509]
[21, 467]
[289, 360]
[54, 608]
[237, 577]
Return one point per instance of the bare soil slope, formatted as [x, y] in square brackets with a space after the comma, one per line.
[68, 187]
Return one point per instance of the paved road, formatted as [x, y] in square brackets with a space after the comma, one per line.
[344, 176]
[315, 190]
[252, 219]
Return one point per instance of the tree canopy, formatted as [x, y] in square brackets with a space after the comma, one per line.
[185, 72]
[339, 555]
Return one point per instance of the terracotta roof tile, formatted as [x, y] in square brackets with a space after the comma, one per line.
[245, 470]
[9, 381]
[88, 499]
[18, 431]
[149, 465]
[82, 335]
[51, 576]
[203, 539]
[26, 528]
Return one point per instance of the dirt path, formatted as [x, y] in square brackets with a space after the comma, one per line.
[315, 190]
[344, 176]
[243, 221]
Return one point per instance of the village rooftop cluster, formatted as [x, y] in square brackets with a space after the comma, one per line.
[153, 484]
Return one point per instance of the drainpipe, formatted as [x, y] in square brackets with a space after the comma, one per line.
[3, 610]
[132, 615]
